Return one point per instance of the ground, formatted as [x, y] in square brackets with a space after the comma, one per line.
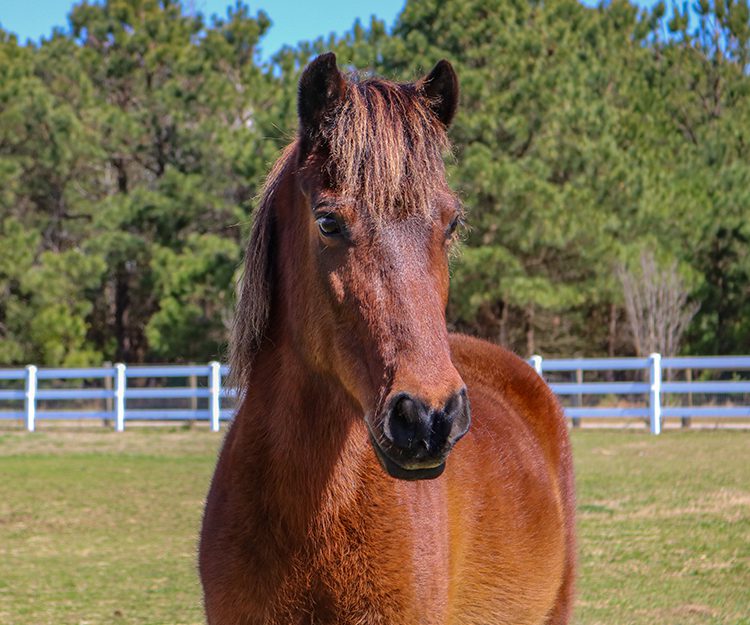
[98, 527]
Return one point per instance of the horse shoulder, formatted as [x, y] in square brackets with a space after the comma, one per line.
[496, 372]
[518, 449]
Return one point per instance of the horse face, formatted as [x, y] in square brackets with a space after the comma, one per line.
[382, 284]
[385, 288]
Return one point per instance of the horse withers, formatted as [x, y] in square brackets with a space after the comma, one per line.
[379, 470]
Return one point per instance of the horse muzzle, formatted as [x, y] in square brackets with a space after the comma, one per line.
[415, 438]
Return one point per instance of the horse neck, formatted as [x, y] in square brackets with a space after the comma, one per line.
[299, 439]
[298, 436]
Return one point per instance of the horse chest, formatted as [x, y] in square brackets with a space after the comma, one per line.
[364, 574]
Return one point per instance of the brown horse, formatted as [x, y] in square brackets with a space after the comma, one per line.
[337, 498]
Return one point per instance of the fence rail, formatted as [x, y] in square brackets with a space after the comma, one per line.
[117, 393]
[654, 393]
[651, 398]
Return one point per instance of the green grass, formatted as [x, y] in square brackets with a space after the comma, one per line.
[664, 527]
[98, 527]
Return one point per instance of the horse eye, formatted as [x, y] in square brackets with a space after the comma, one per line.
[452, 228]
[329, 226]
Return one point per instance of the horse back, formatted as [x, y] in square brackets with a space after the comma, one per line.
[512, 493]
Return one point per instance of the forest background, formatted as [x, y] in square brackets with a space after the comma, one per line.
[603, 156]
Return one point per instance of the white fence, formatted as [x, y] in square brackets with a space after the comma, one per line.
[118, 392]
[654, 390]
[647, 394]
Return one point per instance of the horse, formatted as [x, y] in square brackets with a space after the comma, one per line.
[379, 469]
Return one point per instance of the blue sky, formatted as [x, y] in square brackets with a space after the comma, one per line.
[293, 20]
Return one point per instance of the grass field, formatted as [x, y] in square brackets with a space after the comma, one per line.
[98, 527]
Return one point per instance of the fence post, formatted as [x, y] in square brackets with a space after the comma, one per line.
[193, 382]
[688, 378]
[215, 408]
[578, 399]
[120, 385]
[654, 397]
[536, 362]
[108, 406]
[31, 397]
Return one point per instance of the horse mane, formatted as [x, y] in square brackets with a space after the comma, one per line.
[383, 147]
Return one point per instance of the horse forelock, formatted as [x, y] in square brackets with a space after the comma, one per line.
[385, 148]
[384, 151]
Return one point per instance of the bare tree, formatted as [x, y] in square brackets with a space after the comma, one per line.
[656, 302]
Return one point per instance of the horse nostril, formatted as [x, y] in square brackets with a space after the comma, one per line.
[455, 403]
[411, 426]
[406, 410]
[455, 407]
[458, 415]
[407, 423]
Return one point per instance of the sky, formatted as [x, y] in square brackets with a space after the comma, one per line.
[293, 20]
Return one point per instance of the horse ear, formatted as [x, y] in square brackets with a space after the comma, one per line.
[440, 87]
[321, 88]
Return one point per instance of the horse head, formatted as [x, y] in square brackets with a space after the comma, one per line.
[362, 244]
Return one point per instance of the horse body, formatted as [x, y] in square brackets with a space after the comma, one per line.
[332, 500]
[489, 542]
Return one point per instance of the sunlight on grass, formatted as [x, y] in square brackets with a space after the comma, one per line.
[664, 526]
[98, 527]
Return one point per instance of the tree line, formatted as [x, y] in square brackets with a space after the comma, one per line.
[598, 151]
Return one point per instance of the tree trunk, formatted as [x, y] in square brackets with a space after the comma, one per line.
[529, 327]
[122, 174]
[612, 339]
[504, 323]
[122, 302]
